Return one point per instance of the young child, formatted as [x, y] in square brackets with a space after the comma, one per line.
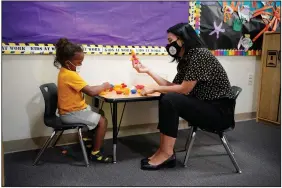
[71, 103]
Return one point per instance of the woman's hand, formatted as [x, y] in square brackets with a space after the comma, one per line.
[139, 67]
[147, 91]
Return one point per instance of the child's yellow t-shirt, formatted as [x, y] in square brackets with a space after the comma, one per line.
[70, 97]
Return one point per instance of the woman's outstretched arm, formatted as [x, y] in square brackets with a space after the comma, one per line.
[140, 68]
[161, 81]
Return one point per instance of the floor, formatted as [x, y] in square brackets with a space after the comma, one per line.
[257, 148]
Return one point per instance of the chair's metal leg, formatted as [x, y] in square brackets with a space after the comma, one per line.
[191, 142]
[231, 156]
[83, 147]
[46, 144]
[232, 151]
[57, 139]
[189, 138]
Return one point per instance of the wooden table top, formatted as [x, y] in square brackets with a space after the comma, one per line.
[113, 96]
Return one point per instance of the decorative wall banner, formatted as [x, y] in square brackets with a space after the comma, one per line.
[49, 49]
[131, 24]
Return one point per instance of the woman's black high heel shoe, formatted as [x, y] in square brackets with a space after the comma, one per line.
[169, 163]
[146, 160]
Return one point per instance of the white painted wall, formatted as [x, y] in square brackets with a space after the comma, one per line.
[23, 105]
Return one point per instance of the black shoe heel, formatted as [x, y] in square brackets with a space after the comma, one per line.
[170, 164]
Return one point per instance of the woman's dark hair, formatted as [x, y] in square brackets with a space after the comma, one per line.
[65, 50]
[188, 35]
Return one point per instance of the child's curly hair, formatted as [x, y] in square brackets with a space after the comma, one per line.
[65, 50]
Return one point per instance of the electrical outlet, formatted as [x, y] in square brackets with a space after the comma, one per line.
[250, 79]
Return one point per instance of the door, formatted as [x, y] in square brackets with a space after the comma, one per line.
[270, 79]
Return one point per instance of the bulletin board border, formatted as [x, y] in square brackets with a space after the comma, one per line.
[49, 49]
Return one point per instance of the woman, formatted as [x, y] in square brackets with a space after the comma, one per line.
[200, 93]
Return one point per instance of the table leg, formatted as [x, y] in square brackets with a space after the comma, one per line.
[114, 131]
[95, 102]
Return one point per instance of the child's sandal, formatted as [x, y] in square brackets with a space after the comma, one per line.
[99, 157]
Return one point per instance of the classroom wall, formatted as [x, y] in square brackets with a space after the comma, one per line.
[23, 104]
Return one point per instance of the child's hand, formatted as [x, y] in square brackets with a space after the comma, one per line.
[106, 85]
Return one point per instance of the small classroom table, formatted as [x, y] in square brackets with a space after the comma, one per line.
[113, 99]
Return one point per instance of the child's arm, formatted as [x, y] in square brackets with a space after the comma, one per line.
[95, 90]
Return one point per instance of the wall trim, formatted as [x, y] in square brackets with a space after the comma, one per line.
[71, 138]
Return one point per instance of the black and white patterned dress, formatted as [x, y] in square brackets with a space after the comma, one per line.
[200, 65]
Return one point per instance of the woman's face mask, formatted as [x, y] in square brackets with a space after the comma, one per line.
[173, 49]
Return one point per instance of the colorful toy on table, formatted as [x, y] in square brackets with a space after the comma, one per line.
[119, 92]
[103, 93]
[117, 87]
[111, 89]
[120, 86]
[139, 87]
[134, 58]
[126, 91]
[133, 90]
[107, 90]
[123, 85]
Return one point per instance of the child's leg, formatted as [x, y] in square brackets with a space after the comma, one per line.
[96, 122]
[100, 134]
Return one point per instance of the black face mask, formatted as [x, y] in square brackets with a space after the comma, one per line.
[173, 49]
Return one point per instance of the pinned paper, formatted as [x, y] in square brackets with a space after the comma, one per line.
[245, 13]
[237, 25]
[227, 11]
[254, 4]
[245, 42]
[217, 29]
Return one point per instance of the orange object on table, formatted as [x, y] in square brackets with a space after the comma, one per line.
[103, 93]
[118, 92]
[126, 91]
[117, 87]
